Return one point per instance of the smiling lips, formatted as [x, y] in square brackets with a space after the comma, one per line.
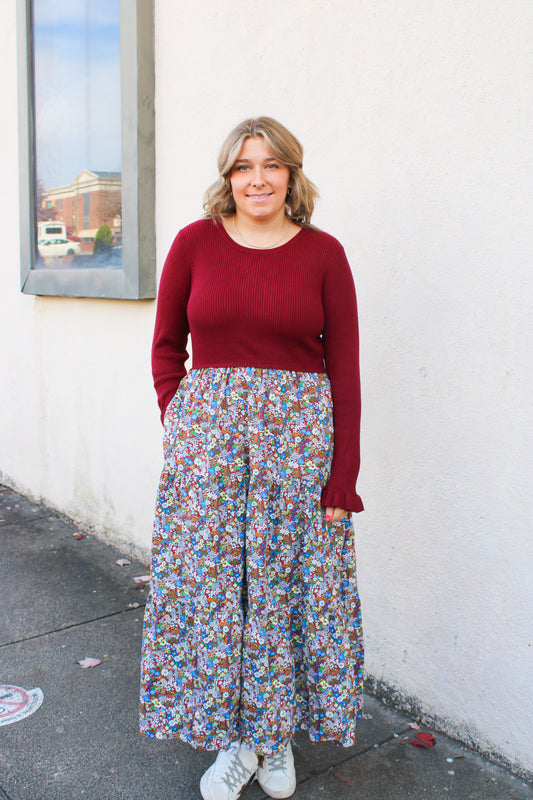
[259, 196]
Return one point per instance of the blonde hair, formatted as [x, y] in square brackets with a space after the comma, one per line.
[300, 200]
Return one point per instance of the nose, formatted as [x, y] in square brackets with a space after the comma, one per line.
[258, 177]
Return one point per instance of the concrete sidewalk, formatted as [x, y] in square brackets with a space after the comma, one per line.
[63, 600]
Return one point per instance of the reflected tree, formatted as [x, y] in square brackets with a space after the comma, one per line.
[110, 206]
[103, 240]
[42, 211]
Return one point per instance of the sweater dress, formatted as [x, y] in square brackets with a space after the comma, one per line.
[252, 627]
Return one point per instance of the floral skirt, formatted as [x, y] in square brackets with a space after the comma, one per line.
[252, 627]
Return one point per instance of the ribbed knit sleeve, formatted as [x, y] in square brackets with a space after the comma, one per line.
[169, 347]
[341, 354]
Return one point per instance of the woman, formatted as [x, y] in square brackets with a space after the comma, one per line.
[252, 626]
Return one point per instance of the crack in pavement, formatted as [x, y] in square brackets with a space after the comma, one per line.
[27, 522]
[71, 626]
[339, 764]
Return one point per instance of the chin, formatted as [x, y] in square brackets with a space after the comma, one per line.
[267, 211]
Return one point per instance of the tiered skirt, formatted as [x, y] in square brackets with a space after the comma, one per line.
[252, 627]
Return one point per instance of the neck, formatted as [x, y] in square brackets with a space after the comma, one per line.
[261, 232]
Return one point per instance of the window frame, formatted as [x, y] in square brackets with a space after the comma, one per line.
[136, 278]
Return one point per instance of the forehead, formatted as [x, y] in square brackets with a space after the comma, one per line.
[254, 148]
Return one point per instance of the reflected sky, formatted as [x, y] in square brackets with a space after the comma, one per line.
[77, 88]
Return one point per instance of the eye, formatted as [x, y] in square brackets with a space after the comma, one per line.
[272, 165]
[241, 167]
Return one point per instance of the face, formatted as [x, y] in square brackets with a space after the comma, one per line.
[259, 182]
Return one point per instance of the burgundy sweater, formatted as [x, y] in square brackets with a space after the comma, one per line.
[292, 307]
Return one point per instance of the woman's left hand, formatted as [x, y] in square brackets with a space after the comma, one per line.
[335, 514]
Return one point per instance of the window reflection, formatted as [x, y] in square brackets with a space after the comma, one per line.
[77, 133]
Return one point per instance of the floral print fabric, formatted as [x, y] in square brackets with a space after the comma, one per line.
[252, 627]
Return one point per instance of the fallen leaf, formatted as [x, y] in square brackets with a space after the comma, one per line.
[89, 662]
[344, 779]
[142, 579]
[141, 586]
[423, 740]
[414, 725]
[122, 562]
[78, 536]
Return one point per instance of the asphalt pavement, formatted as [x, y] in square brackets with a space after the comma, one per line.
[69, 731]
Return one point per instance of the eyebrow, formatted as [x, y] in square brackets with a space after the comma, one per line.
[247, 160]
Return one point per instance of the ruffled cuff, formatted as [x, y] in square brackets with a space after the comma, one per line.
[350, 501]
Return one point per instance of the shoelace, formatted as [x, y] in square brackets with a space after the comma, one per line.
[278, 761]
[236, 773]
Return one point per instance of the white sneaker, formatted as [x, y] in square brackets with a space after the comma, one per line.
[230, 773]
[276, 774]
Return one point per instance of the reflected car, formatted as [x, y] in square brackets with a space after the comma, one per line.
[54, 248]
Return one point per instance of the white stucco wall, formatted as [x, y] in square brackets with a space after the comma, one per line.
[79, 428]
[416, 120]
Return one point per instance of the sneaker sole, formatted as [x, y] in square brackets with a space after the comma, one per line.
[281, 794]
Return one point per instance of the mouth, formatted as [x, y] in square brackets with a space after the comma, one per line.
[263, 196]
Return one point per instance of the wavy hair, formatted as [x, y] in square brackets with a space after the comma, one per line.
[300, 201]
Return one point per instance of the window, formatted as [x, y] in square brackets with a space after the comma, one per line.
[86, 199]
[86, 84]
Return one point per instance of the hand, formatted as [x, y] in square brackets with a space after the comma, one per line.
[335, 514]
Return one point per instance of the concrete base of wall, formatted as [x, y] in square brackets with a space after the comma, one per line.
[396, 700]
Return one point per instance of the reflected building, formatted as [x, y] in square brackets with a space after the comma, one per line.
[91, 200]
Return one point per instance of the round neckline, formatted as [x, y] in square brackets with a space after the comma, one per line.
[261, 250]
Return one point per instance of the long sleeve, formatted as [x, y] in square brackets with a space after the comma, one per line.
[341, 353]
[169, 347]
